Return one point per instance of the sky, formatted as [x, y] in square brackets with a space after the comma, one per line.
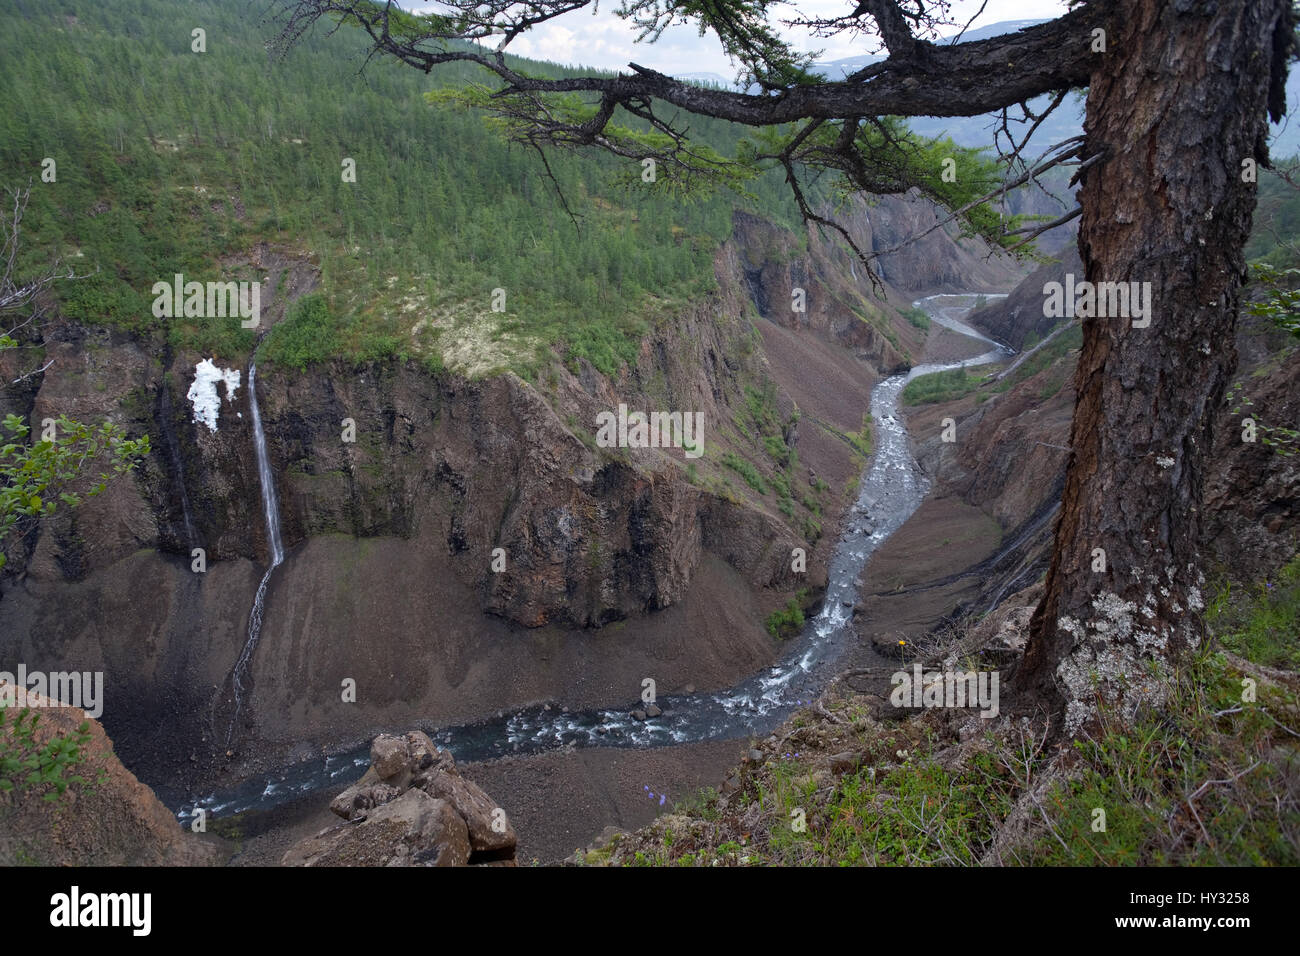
[605, 41]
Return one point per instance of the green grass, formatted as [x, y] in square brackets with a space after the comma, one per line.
[861, 439]
[778, 450]
[1053, 382]
[1262, 623]
[746, 471]
[917, 317]
[1203, 783]
[941, 386]
[1049, 354]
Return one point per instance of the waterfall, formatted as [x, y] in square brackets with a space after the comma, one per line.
[270, 507]
[271, 511]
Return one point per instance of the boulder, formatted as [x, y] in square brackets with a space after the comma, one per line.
[417, 810]
[364, 795]
[414, 829]
[389, 757]
[489, 827]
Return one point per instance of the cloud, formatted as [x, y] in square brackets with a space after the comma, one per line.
[608, 42]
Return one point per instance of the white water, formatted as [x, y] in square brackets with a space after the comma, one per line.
[271, 511]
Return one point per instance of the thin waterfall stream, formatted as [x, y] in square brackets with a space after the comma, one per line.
[892, 488]
[271, 512]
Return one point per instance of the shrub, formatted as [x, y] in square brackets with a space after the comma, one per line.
[787, 621]
[917, 317]
[25, 764]
[941, 386]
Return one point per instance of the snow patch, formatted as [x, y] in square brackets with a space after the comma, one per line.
[203, 393]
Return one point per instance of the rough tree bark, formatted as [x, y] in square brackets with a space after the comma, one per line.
[1176, 106]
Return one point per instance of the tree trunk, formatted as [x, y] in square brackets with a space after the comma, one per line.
[1176, 104]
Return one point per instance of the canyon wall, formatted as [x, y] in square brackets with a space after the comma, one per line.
[613, 564]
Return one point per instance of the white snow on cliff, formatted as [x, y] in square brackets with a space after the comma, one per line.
[203, 393]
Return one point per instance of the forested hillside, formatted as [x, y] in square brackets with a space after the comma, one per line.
[171, 161]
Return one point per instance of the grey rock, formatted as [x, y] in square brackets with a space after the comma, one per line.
[389, 756]
[489, 825]
[411, 830]
[364, 795]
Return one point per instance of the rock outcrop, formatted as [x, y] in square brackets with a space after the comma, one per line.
[412, 808]
[110, 819]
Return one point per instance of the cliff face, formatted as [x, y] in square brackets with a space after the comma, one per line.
[836, 308]
[1013, 319]
[841, 306]
[939, 261]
